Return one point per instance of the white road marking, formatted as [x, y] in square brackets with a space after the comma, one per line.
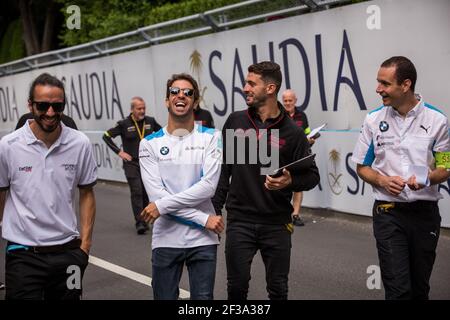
[129, 274]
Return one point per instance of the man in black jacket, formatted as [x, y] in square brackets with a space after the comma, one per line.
[132, 130]
[259, 206]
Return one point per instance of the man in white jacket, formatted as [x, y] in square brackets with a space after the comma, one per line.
[402, 151]
[180, 168]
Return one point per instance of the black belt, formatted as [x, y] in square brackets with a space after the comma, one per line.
[413, 204]
[73, 244]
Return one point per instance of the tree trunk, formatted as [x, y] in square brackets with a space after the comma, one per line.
[29, 28]
[49, 27]
[34, 29]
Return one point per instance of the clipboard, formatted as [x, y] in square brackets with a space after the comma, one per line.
[302, 163]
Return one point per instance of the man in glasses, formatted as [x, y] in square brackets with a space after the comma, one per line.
[132, 130]
[259, 206]
[41, 165]
[180, 167]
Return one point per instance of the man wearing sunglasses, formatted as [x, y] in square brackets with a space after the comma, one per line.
[180, 167]
[41, 165]
[132, 130]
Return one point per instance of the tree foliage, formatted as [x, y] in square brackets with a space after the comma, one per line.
[11, 44]
[104, 18]
[41, 25]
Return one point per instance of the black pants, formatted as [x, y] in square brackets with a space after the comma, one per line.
[242, 242]
[44, 276]
[139, 198]
[407, 236]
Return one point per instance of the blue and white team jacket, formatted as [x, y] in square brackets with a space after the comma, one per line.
[180, 174]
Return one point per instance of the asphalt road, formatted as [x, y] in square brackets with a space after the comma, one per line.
[330, 257]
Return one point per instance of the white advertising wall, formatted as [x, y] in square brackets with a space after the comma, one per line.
[330, 58]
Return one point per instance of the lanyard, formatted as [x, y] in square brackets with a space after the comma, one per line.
[141, 134]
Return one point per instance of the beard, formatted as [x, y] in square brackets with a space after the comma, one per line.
[257, 102]
[139, 117]
[40, 118]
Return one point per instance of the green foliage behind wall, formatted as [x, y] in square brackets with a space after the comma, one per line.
[11, 44]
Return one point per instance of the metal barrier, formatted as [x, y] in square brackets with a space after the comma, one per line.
[239, 14]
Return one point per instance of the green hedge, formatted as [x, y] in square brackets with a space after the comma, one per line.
[104, 18]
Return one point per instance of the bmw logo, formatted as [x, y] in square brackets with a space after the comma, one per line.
[384, 126]
[164, 151]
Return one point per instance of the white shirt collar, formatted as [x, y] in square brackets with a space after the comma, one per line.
[414, 111]
[31, 138]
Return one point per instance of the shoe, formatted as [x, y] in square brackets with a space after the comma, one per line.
[297, 221]
[141, 227]
[2, 286]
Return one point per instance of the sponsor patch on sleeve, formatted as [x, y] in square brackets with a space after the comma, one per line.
[443, 160]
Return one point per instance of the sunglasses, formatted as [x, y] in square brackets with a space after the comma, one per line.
[187, 92]
[43, 106]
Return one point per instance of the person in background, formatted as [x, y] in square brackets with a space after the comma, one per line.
[203, 117]
[132, 130]
[68, 121]
[289, 100]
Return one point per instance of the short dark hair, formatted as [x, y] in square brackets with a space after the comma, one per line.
[269, 72]
[183, 76]
[404, 69]
[45, 79]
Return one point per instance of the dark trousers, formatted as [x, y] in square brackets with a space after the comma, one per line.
[407, 237]
[44, 276]
[139, 198]
[242, 242]
[167, 268]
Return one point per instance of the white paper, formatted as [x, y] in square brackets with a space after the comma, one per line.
[421, 173]
[315, 131]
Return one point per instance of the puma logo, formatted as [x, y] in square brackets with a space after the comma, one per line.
[426, 129]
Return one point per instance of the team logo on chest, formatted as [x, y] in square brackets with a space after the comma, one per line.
[26, 169]
[425, 129]
[384, 126]
[164, 150]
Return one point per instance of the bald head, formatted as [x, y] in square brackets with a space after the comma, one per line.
[289, 101]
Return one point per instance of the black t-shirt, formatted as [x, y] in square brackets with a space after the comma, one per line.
[300, 119]
[203, 117]
[68, 121]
